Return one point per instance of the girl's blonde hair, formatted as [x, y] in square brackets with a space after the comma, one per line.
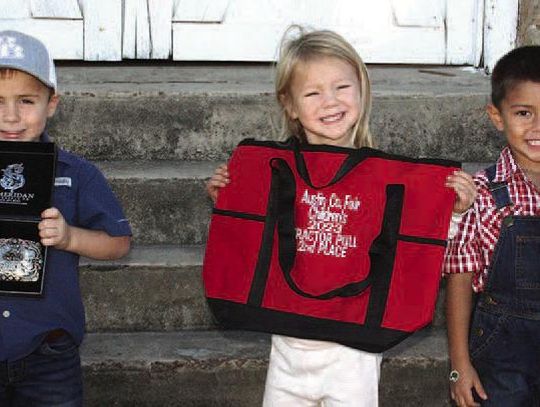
[306, 47]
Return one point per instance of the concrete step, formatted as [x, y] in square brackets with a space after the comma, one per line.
[200, 112]
[205, 369]
[156, 288]
[166, 201]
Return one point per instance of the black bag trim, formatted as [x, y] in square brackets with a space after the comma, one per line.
[241, 215]
[348, 164]
[362, 153]
[422, 240]
[233, 315]
[382, 254]
[262, 218]
[262, 268]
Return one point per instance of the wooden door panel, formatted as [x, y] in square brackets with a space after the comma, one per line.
[449, 32]
[62, 9]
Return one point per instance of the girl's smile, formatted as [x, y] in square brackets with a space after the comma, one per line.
[325, 97]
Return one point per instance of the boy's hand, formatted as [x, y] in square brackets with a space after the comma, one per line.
[95, 244]
[220, 179]
[53, 229]
[462, 390]
[463, 184]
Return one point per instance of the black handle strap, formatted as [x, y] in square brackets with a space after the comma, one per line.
[382, 254]
[285, 195]
[353, 158]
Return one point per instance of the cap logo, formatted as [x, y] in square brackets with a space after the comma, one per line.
[9, 48]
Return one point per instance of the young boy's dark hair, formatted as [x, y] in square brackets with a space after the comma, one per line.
[519, 65]
[493, 341]
[40, 335]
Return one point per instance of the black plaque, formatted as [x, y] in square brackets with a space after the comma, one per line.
[26, 182]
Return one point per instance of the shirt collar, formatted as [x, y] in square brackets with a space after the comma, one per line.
[61, 155]
[44, 138]
[507, 167]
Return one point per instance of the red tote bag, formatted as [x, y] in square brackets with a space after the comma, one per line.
[328, 243]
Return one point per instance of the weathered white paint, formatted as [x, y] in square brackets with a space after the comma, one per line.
[251, 31]
[199, 11]
[102, 30]
[259, 42]
[61, 9]
[63, 38]
[500, 29]
[418, 13]
[11, 9]
[464, 25]
[136, 42]
[385, 31]
[479, 40]
[160, 16]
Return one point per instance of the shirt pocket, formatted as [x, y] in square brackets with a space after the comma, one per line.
[487, 333]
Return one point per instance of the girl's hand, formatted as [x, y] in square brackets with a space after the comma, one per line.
[220, 179]
[463, 184]
[462, 390]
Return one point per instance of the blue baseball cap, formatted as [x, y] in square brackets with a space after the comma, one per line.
[28, 54]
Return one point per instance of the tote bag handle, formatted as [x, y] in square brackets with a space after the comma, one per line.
[382, 246]
[286, 195]
[353, 158]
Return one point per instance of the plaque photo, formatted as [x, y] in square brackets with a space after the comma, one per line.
[26, 181]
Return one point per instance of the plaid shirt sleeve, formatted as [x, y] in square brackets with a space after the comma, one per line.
[463, 252]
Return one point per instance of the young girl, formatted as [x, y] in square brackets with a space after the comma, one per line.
[323, 89]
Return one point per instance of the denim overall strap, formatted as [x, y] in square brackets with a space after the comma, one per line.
[499, 190]
[513, 284]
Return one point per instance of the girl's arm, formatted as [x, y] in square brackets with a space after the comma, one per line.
[220, 179]
[459, 304]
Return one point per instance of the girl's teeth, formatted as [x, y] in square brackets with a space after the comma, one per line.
[534, 142]
[332, 118]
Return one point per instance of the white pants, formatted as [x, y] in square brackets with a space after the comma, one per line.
[303, 372]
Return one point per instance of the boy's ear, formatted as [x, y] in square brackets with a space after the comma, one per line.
[495, 116]
[52, 105]
[288, 105]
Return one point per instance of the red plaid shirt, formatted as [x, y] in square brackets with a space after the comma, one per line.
[471, 249]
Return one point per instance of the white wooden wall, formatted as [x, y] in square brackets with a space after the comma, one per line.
[384, 31]
[58, 23]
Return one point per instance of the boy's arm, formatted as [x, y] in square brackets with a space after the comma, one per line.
[461, 259]
[97, 244]
[459, 305]
[465, 189]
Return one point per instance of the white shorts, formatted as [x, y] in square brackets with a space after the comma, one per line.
[303, 372]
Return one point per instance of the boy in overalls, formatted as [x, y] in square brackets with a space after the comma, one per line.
[494, 339]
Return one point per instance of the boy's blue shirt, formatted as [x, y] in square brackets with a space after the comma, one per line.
[84, 198]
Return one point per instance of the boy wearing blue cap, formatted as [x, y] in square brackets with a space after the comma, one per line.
[40, 336]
